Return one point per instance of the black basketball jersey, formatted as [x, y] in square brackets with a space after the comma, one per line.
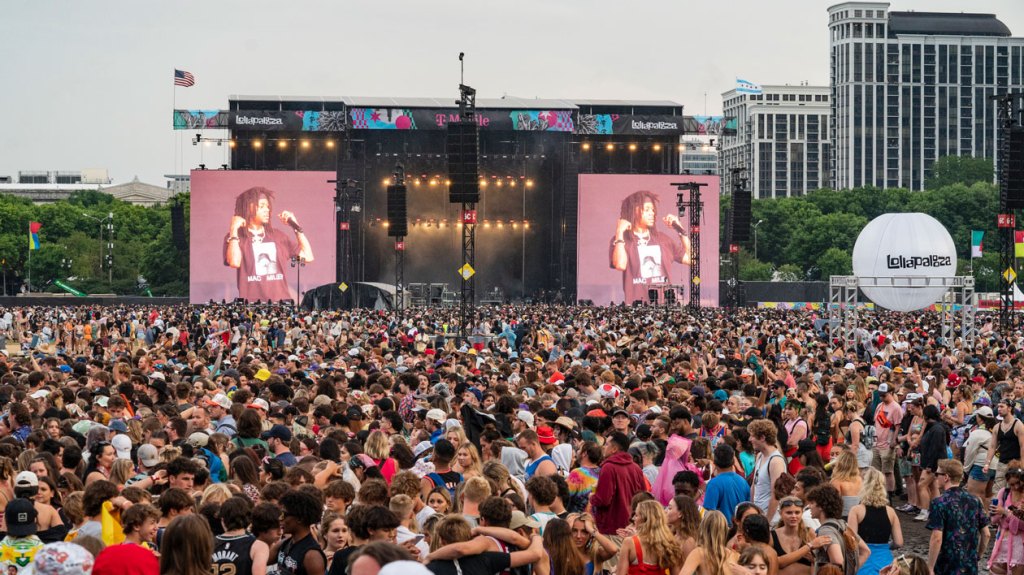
[232, 555]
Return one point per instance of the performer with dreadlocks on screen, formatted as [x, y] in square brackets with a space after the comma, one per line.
[641, 251]
[259, 251]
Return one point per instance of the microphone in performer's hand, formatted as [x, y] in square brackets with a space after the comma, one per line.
[294, 224]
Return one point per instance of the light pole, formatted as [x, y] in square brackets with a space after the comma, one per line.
[759, 222]
[108, 224]
[298, 262]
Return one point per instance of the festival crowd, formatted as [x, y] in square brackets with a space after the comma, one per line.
[551, 440]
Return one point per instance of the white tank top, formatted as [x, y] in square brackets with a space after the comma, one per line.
[763, 481]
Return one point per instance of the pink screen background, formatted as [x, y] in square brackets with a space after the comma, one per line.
[305, 194]
[600, 199]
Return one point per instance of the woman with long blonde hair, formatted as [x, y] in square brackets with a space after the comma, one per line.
[596, 547]
[653, 549]
[712, 555]
[846, 478]
[790, 537]
[876, 522]
[467, 461]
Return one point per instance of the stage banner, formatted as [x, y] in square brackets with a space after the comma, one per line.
[715, 125]
[635, 125]
[247, 226]
[290, 121]
[200, 119]
[439, 118]
[632, 239]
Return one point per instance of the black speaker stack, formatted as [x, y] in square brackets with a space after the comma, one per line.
[740, 215]
[463, 148]
[1015, 169]
[398, 216]
[178, 226]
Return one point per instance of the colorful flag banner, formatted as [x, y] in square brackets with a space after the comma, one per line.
[747, 87]
[976, 245]
[1018, 244]
[33, 235]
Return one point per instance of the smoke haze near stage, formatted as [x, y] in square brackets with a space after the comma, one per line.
[652, 256]
[265, 270]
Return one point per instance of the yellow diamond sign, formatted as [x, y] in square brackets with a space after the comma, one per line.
[696, 281]
[466, 271]
[343, 287]
[1010, 275]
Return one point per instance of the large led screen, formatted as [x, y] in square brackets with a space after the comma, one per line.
[260, 236]
[635, 244]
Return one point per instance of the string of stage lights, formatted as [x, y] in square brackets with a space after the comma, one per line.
[497, 181]
[443, 223]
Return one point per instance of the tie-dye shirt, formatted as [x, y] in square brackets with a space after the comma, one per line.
[582, 483]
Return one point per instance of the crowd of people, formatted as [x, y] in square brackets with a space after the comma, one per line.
[550, 439]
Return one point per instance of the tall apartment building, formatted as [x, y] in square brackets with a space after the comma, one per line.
[911, 87]
[698, 155]
[782, 140]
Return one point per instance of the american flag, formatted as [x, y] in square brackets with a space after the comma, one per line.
[183, 78]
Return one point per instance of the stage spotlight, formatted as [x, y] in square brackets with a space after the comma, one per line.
[632, 147]
[387, 181]
[282, 144]
[386, 224]
[498, 183]
[416, 181]
[512, 182]
[529, 183]
[330, 143]
[657, 147]
[232, 144]
[501, 224]
[586, 146]
[433, 182]
[257, 144]
[515, 225]
[483, 183]
[305, 144]
[609, 147]
[680, 147]
[487, 223]
[447, 182]
[526, 224]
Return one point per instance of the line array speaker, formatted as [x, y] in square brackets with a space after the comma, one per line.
[740, 216]
[463, 148]
[398, 217]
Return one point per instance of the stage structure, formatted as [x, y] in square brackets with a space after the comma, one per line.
[691, 204]
[532, 154]
[844, 299]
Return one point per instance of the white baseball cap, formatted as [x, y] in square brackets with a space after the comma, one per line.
[526, 417]
[437, 415]
[122, 445]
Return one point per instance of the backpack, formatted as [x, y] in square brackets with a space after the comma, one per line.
[867, 435]
[848, 541]
[214, 464]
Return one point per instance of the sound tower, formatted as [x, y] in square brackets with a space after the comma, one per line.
[1015, 169]
[462, 148]
[726, 239]
[178, 226]
[740, 216]
[398, 218]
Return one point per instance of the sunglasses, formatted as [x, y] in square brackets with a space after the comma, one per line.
[791, 503]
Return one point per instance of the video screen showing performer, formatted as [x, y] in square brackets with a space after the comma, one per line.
[261, 252]
[641, 251]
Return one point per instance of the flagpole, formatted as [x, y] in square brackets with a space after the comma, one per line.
[28, 271]
[174, 133]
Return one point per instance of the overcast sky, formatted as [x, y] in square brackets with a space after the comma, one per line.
[89, 84]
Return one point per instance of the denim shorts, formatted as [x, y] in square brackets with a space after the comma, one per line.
[978, 475]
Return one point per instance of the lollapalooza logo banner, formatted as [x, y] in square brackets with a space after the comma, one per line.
[264, 121]
[608, 124]
[439, 118]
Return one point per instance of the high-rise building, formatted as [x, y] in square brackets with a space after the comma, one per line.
[698, 155]
[782, 140]
[911, 87]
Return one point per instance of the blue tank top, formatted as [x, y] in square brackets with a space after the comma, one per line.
[532, 468]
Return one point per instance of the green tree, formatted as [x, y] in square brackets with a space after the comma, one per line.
[835, 262]
[965, 170]
[752, 270]
[789, 273]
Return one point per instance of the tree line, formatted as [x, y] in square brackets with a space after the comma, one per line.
[145, 259]
[811, 237]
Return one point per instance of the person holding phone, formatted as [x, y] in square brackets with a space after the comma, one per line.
[261, 252]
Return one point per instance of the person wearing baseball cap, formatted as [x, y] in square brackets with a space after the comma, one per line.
[435, 423]
[278, 438]
[219, 407]
[888, 416]
[21, 544]
[524, 420]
